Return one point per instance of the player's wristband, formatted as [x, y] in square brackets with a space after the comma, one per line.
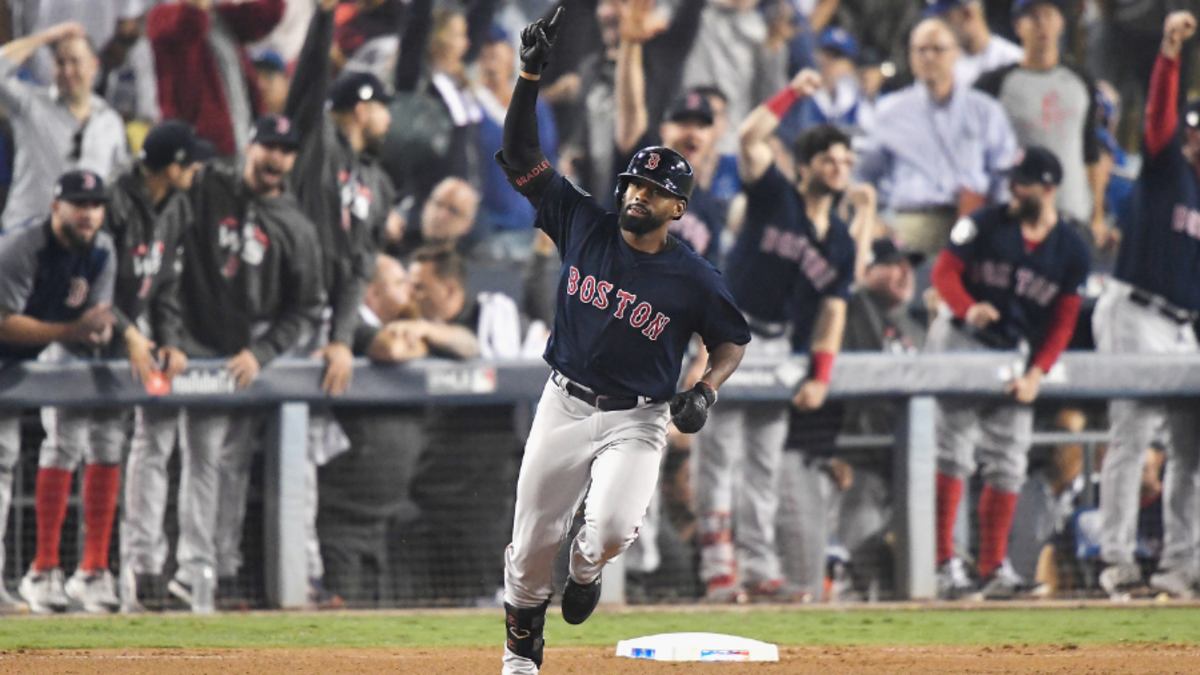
[779, 103]
[821, 367]
[711, 394]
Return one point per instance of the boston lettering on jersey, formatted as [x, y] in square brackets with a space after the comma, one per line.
[777, 252]
[1022, 285]
[1160, 244]
[623, 318]
[596, 293]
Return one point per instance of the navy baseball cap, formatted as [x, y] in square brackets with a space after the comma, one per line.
[169, 142]
[1022, 7]
[1191, 114]
[939, 7]
[495, 34]
[80, 185]
[270, 60]
[275, 130]
[354, 87]
[839, 41]
[693, 105]
[885, 251]
[1037, 166]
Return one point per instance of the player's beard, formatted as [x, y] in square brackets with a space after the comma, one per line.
[639, 226]
[1027, 209]
[75, 240]
[818, 188]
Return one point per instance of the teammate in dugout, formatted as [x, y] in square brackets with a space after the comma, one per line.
[56, 286]
[145, 215]
[1009, 278]
[630, 298]
[1150, 306]
[252, 259]
[790, 271]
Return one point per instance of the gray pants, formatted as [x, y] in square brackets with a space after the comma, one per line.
[735, 474]
[143, 543]
[806, 492]
[996, 434]
[1123, 327]
[96, 436]
[10, 451]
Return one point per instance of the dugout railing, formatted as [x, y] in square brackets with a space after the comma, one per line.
[290, 386]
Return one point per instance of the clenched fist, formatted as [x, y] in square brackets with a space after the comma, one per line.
[689, 409]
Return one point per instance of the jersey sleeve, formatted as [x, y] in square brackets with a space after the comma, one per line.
[841, 287]
[767, 188]
[722, 321]
[18, 267]
[564, 209]
[964, 236]
[103, 289]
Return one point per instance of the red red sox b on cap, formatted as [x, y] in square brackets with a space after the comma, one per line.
[80, 185]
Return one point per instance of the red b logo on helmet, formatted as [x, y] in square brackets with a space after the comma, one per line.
[652, 161]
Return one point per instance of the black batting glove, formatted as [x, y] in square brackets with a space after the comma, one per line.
[536, 41]
[689, 409]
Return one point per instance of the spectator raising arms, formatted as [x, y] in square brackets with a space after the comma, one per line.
[204, 74]
[58, 128]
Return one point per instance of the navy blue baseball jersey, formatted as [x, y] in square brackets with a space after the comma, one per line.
[1022, 285]
[700, 228]
[42, 279]
[1160, 244]
[778, 270]
[623, 317]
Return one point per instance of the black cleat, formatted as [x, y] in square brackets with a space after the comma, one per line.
[579, 600]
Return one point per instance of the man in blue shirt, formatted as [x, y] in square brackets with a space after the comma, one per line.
[56, 285]
[938, 148]
[630, 298]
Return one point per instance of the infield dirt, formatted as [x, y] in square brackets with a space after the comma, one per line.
[1142, 659]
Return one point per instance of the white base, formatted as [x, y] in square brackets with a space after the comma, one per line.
[697, 647]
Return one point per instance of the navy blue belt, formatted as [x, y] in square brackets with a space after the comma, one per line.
[1162, 306]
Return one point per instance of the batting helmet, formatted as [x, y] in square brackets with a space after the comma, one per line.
[662, 166]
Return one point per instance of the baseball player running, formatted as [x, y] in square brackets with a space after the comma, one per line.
[630, 297]
[1009, 278]
[56, 286]
[790, 271]
[1150, 307]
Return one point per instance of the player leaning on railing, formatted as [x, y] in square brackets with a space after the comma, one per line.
[630, 298]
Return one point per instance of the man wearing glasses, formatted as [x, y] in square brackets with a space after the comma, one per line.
[938, 149]
[56, 128]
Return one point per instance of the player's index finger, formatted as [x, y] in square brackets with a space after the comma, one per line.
[554, 19]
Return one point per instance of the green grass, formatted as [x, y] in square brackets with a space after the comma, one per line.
[474, 629]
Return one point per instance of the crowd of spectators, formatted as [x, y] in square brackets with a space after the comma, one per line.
[320, 175]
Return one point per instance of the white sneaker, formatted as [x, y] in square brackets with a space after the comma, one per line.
[953, 582]
[1178, 583]
[94, 591]
[1117, 580]
[1002, 584]
[9, 604]
[44, 591]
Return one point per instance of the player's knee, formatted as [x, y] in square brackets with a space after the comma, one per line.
[1004, 481]
[951, 466]
[56, 458]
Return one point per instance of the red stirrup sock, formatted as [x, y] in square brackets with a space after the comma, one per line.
[101, 485]
[52, 494]
[949, 494]
[996, 511]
